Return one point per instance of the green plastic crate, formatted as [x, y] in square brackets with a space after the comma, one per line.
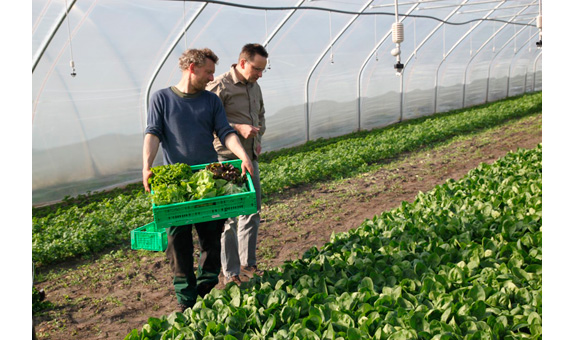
[207, 209]
[148, 237]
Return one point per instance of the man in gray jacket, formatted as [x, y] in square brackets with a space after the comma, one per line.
[242, 98]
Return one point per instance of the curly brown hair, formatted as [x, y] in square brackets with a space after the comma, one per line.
[197, 57]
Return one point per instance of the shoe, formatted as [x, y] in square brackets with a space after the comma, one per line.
[250, 271]
[182, 307]
[204, 289]
[235, 279]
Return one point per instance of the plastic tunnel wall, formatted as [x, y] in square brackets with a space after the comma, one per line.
[330, 70]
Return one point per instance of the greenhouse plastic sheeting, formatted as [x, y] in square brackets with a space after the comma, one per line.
[330, 70]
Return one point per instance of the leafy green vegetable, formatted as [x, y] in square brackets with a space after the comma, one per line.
[170, 174]
[95, 221]
[462, 261]
[342, 157]
[227, 172]
[77, 230]
[175, 183]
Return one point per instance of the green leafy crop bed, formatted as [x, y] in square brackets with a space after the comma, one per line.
[90, 223]
[352, 154]
[462, 261]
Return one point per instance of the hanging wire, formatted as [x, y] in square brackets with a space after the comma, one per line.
[493, 40]
[266, 22]
[539, 43]
[397, 38]
[414, 41]
[185, 29]
[269, 65]
[72, 65]
[285, 8]
[330, 39]
[515, 40]
[530, 34]
[444, 41]
[471, 39]
[375, 36]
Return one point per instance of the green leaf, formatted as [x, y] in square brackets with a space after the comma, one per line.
[477, 309]
[237, 321]
[418, 322]
[341, 321]
[329, 332]
[445, 317]
[366, 284]
[304, 333]
[534, 319]
[403, 334]
[288, 315]
[477, 293]
[277, 297]
[269, 325]
[312, 322]
[521, 274]
[456, 275]
[353, 334]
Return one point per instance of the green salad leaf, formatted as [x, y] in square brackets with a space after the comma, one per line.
[176, 183]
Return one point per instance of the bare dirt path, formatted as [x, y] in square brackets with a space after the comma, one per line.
[107, 297]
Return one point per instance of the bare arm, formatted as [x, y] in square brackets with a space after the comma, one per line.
[151, 146]
[233, 143]
[262, 127]
[249, 131]
[246, 130]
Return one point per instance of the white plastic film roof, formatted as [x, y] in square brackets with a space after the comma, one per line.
[330, 70]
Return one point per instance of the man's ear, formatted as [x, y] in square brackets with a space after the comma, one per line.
[191, 68]
[243, 63]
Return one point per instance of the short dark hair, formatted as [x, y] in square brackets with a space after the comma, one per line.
[250, 50]
[197, 57]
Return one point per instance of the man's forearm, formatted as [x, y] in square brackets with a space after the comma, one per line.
[234, 145]
[246, 130]
[151, 146]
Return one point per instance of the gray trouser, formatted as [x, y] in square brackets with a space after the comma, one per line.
[240, 236]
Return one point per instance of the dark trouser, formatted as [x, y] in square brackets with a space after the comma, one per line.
[180, 253]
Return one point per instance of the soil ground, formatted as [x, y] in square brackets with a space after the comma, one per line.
[108, 295]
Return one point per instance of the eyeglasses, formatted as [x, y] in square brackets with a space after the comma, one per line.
[262, 70]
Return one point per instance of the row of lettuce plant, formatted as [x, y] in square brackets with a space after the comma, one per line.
[90, 223]
[340, 158]
[463, 261]
[76, 230]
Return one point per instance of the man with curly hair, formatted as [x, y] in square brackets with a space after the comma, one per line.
[183, 119]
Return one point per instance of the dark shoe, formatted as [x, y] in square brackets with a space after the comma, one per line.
[204, 289]
[250, 271]
[235, 279]
[182, 307]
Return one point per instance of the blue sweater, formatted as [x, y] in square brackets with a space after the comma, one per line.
[186, 125]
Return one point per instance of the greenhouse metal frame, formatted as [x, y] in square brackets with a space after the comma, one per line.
[335, 67]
